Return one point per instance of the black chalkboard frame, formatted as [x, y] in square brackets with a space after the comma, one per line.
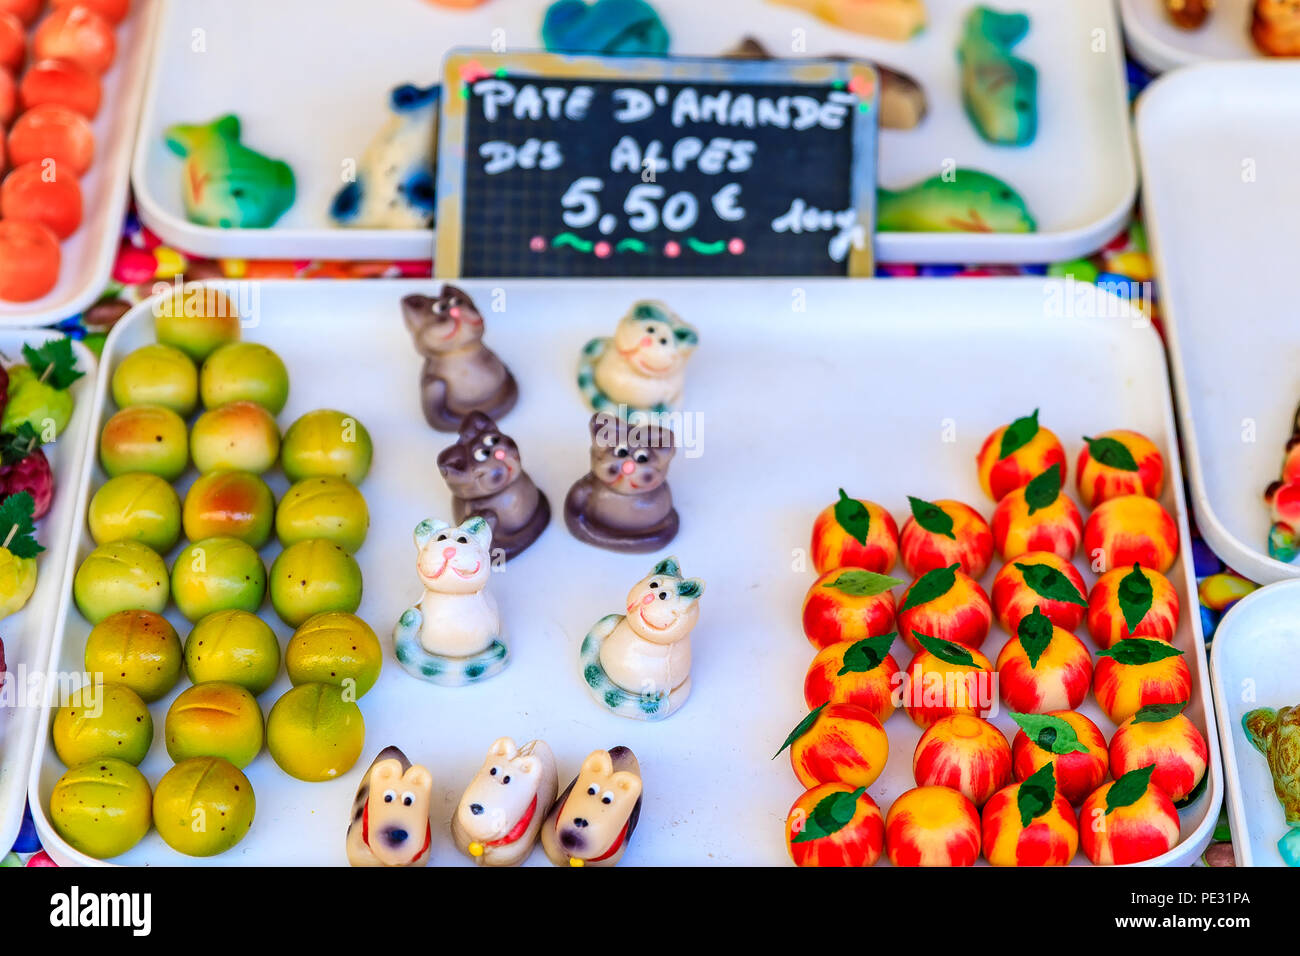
[463, 67]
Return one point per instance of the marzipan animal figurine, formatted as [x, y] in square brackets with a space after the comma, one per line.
[1276, 734]
[967, 201]
[461, 374]
[624, 502]
[638, 664]
[224, 184]
[611, 27]
[643, 367]
[1188, 14]
[902, 98]
[390, 815]
[487, 479]
[500, 814]
[888, 19]
[1275, 27]
[998, 88]
[394, 183]
[592, 822]
[453, 636]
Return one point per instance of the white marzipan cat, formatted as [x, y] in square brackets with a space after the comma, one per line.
[454, 563]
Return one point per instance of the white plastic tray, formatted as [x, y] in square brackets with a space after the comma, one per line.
[898, 360]
[1225, 253]
[88, 255]
[1160, 46]
[320, 99]
[1253, 665]
[29, 634]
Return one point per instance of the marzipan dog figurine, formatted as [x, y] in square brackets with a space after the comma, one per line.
[390, 815]
[500, 815]
[592, 822]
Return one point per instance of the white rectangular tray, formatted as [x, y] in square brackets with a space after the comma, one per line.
[1218, 145]
[310, 79]
[1253, 664]
[88, 254]
[799, 388]
[1160, 46]
[29, 634]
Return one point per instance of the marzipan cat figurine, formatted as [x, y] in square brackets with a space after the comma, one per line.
[487, 479]
[642, 368]
[624, 503]
[638, 664]
[461, 374]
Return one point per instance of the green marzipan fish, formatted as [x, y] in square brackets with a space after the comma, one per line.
[224, 183]
[999, 90]
[965, 201]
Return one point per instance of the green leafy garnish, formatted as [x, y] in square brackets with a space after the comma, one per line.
[18, 444]
[949, 651]
[1036, 794]
[832, 814]
[1050, 733]
[1043, 490]
[867, 654]
[1047, 582]
[853, 517]
[1136, 651]
[933, 584]
[1129, 789]
[53, 363]
[801, 728]
[1111, 453]
[857, 583]
[1035, 633]
[18, 527]
[931, 517]
[1158, 713]
[1135, 596]
[1018, 434]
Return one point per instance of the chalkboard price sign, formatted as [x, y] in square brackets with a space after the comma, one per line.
[590, 166]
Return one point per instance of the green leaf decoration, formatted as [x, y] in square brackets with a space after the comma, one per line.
[1035, 633]
[831, 815]
[18, 444]
[1037, 794]
[931, 517]
[857, 583]
[17, 528]
[1050, 733]
[1043, 490]
[1047, 582]
[1135, 596]
[1128, 789]
[931, 585]
[948, 651]
[801, 728]
[1158, 713]
[867, 654]
[1018, 434]
[1111, 453]
[1136, 651]
[54, 363]
[853, 517]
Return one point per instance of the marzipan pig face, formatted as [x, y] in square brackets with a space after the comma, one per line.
[593, 820]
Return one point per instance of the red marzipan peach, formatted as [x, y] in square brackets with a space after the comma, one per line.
[29, 261]
[817, 833]
[1055, 676]
[1132, 528]
[854, 672]
[56, 134]
[29, 195]
[848, 604]
[1043, 580]
[840, 742]
[1038, 517]
[1008, 461]
[948, 604]
[1167, 738]
[79, 35]
[13, 43]
[1133, 591]
[61, 83]
[1128, 820]
[1137, 672]
[1116, 463]
[942, 533]
[114, 11]
[965, 753]
[1050, 838]
[932, 826]
[1078, 772]
[854, 533]
[937, 687]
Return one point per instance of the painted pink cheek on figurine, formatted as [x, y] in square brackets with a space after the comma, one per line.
[1043, 668]
[948, 604]
[965, 753]
[390, 815]
[638, 664]
[1163, 735]
[453, 635]
[1131, 529]
[499, 817]
[641, 369]
[932, 826]
[1129, 820]
[1038, 517]
[1041, 580]
[592, 822]
[942, 533]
